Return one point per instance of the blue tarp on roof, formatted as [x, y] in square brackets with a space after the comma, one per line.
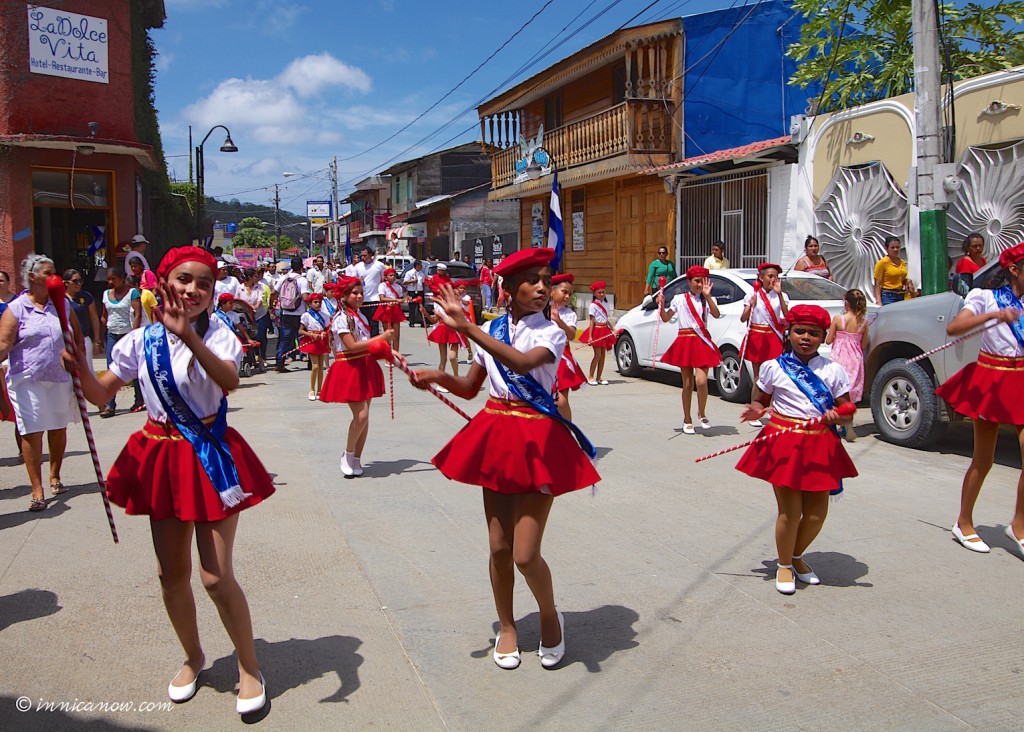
[736, 76]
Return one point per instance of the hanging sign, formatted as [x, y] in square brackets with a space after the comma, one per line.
[67, 44]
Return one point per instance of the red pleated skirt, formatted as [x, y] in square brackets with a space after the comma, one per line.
[6, 408]
[511, 448]
[570, 375]
[389, 314]
[599, 336]
[352, 379]
[315, 346]
[443, 334]
[811, 459]
[991, 389]
[763, 344]
[158, 475]
[689, 350]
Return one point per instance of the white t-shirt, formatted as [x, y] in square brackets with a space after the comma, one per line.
[787, 399]
[316, 280]
[310, 323]
[360, 332]
[201, 393]
[568, 316]
[229, 284]
[413, 280]
[530, 332]
[371, 274]
[303, 290]
[253, 298]
[390, 291]
[682, 310]
[760, 316]
[998, 339]
[350, 271]
[596, 313]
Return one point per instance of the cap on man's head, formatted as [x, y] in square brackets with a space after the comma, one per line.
[139, 239]
[221, 264]
[442, 266]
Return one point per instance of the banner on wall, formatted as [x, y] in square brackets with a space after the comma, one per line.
[67, 44]
[250, 256]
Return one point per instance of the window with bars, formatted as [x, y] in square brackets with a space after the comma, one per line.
[733, 209]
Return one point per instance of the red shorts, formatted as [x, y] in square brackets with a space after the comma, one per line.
[352, 379]
[763, 344]
[988, 389]
[689, 350]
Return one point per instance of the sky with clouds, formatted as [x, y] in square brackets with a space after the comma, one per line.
[299, 81]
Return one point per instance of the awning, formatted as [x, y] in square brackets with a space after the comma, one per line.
[85, 146]
[731, 159]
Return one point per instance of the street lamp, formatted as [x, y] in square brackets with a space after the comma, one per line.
[228, 147]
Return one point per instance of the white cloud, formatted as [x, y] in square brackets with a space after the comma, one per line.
[272, 17]
[309, 75]
[164, 60]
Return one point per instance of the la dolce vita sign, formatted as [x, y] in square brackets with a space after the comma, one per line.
[67, 44]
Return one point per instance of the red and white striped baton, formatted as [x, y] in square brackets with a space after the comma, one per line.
[844, 410]
[379, 349]
[55, 287]
[657, 320]
[953, 342]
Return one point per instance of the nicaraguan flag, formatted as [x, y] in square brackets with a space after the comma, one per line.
[556, 232]
[99, 239]
[348, 247]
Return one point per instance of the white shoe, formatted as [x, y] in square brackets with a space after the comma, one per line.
[688, 429]
[1013, 536]
[705, 423]
[507, 661]
[551, 657]
[181, 694]
[591, 382]
[442, 390]
[346, 466]
[786, 588]
[603, 382]
[248, 706]
[756, 424]
[357, 467]
[808, 578]
[971, 541]
[312, 396]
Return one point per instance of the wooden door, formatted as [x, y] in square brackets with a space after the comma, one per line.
[643, 220]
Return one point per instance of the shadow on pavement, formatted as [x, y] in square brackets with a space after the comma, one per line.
[386, 468]
[292, 663]
[834, 569]
[995, 536]
[27, 605]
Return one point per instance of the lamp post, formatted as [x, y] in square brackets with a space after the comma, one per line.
[228, 147]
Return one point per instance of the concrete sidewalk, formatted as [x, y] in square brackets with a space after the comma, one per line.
[372, 606]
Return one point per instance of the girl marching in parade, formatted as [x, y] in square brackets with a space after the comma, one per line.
[805, 465]
[599, 335]
[353, 378]
[518, 448]
[766, 311]
[989, 390]
[314, 331]
[693, 350]
[570, 375]
[389, 312]
[186, 469]
[448, 341]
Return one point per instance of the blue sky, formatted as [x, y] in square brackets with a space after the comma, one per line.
[298, 81]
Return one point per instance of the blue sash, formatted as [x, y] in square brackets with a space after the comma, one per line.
[209, 444]
[1006, 299]
[526, 388]
[812, 387]
[224, 319]
[331, 310]
[317, 317]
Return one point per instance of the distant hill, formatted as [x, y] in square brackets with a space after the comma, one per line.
[233, 211]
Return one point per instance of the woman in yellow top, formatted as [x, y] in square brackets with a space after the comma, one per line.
[891, 281]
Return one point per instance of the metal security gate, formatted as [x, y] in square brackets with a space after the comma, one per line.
[733, 209]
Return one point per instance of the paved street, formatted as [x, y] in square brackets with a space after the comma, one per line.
[372, 607]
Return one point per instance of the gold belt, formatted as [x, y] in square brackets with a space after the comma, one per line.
[787, 423]
[155, 430]
[1000, 363]
[512, 408]
[346, 356]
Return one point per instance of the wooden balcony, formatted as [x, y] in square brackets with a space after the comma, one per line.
[636, 126]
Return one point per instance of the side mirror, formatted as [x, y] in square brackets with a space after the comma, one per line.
[649, 303]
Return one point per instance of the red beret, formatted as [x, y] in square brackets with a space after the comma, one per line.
[767, 265]
[809, 315]
[560, 278]
[599, 285]
[225, 297]
[315, 297]
[178, 255]
[524, 259]
[697, 271]
[462, 283]
[390, 270]
[346, 283]
[1013, 255]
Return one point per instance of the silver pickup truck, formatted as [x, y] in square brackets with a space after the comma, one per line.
[904, 405]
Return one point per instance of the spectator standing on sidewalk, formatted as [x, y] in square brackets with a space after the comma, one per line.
[315, 276]
[660, 267]
[257, 296]
[292, 292]
[120, 314]
[717, 259]
[486, 280]
[138, 251]
[225, 282]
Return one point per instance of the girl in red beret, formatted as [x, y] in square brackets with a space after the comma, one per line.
[518, 448]
[448, 341]
[693, 350]
[803, 466]
[599, 334]
[389, 312]
[186, 469]
[570, 374]
[766, 311]
[314, 332]
[989, 390]
[353, 378]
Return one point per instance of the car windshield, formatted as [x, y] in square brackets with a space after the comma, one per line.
[809, 288]
[460, 271]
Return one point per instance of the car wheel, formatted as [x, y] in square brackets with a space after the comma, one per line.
[625, 357]
[734, 384]
[904, 405]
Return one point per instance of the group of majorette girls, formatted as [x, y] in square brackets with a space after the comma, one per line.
[186, 469]
[518, 448]
[447, 339]
[599, 333]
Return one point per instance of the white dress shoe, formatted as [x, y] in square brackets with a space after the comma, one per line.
[688, 429]
[591, 382]
[357, 467]
[248, 706]
[346, 466]
[181, 694]
[786, 588]
[971, 541]
[551, 657]
[1013, 537]
[507, 661]
[705, 423]
[808, 578]
[756, 424]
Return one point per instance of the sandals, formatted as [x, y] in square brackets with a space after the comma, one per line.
[57, 488]
[107, 412]
[37, 504]
[138, 408]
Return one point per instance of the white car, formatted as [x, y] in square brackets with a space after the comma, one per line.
[634, 345]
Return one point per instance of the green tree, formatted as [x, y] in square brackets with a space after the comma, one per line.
[874, 57]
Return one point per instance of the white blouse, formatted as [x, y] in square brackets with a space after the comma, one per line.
[998, 339]
[787, 399]
[341, 325]
[568, 316]
[530, 332]
[310, 323]
[392, 292]
[596, 314]
[201, 393]
[760, 316]
[682, 311]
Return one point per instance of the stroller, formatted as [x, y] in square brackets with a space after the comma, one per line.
[246, 323]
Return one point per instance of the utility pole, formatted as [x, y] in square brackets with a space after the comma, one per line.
[277, 220]
[928, 115]
[333, 228]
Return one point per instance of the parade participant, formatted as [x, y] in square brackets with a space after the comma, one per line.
[314, 332]
[988, 390]
[517, 448]
[462, 290]
[353, 378]
[186, 469]
[766, 311]
[598, 334]
[448, 341]
[848, 336]
[570, 374]
[802, 466]
[392, 297]
[693, 350]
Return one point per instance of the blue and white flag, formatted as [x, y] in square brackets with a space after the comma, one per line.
[99, 239]
[556, 232]
[348, 247]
